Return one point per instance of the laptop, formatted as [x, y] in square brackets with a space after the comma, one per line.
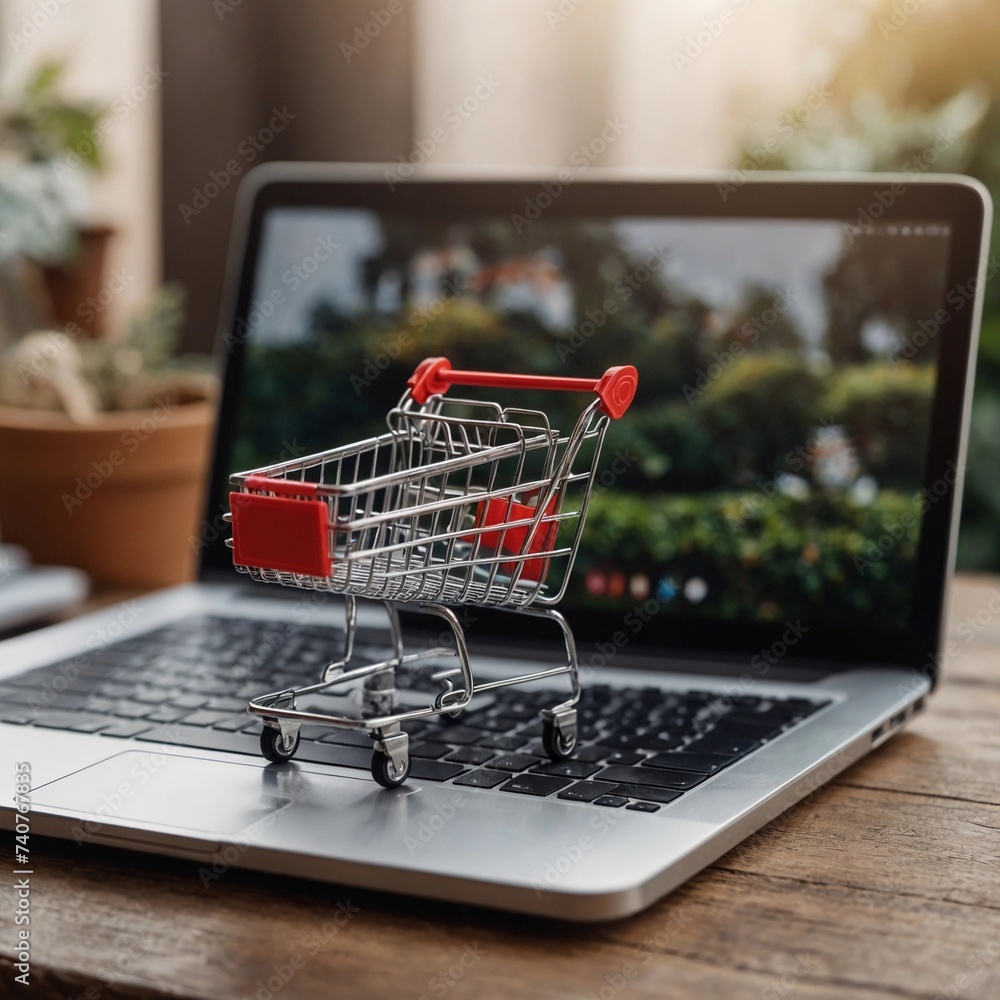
[758, 594]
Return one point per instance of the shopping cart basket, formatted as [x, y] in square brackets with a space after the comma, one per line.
[460, 502]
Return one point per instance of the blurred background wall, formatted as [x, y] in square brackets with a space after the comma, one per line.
[212, 86]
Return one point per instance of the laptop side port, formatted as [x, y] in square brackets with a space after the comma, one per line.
[887, 728]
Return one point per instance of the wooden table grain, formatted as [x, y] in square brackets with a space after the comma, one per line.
[884, 883]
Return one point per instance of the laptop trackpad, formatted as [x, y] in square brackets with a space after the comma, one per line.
[211, 797]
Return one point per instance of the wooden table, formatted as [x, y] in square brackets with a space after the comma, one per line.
[885, 883]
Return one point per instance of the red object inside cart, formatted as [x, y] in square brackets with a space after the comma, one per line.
[500, 511]
[281, 533]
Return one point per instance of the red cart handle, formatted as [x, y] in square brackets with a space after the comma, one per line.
[615, 388]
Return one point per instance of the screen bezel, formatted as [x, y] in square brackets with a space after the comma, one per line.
[956, 201]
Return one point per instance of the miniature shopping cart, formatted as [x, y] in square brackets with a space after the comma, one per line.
[460, 502]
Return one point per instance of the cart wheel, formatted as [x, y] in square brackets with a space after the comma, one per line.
[272, 746]
[556, 744]
[383, 773]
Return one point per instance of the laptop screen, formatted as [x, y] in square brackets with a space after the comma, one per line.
[772, 473]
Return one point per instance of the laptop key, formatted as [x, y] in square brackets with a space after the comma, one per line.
[233, 725]
[130, 710]
[586, 791]
[56, 719]
[502, 741]
[203, 717]
[655, 776]
[663, 795]
[348, 738]
[482, 778]
[590, 754]
[615, 801]
[625, 741]
[433, 770]
[333, 753]
[623, 757]
[428, 751]
[732, 746]
[166, 715]
[182, 735]
[457, 735]
[471, 755]
[535, 784]
[227, 705]
[566, 768]
[702, 763]
[12, 697]
[126, 730]
[150, 696]
[513, 762]
[17, 716]
[83, 725]
[644, 807]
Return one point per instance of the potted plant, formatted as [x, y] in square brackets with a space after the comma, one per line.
[104, 439]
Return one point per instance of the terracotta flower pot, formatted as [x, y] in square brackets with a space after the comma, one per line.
[76, 289]
[120, 498]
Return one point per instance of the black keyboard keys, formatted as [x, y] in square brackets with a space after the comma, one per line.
[655, 776]
[534, 784]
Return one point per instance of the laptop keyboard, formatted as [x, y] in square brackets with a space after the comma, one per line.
[187, 684]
